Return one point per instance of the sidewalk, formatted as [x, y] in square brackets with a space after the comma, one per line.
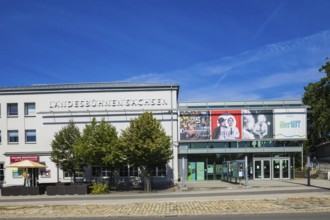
[200, 198]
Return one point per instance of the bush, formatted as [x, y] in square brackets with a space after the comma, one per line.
[99, 188]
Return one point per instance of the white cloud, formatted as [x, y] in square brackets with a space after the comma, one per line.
[275, 71]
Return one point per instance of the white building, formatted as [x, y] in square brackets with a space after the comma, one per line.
[30, 116]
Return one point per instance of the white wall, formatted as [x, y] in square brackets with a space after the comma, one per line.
[51, 117]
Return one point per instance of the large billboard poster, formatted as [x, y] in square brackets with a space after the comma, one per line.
[243, 124]
[290, 123]
[226, 124]
[195, 125]
[257, 124]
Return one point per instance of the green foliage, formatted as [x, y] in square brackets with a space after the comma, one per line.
[62, 153]
[99, 188]
[145, 143]
[317, 96]
[98, 145]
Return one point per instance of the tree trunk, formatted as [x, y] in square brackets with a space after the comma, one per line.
[147, 183]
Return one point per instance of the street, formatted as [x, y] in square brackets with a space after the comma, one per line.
[295, 216]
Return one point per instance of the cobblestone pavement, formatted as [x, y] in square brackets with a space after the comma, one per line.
[218, 207]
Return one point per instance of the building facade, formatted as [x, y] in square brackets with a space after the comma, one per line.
[208, 138]
[229, 140]
[30, 116]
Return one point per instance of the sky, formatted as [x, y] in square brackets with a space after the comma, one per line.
[216, 50]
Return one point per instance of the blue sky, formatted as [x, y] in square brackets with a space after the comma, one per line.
[215, 49]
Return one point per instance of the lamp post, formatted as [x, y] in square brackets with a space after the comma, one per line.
[308, 170]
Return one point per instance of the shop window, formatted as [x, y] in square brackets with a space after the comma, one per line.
[159, 171]
[30, 136]
[44, 172]
[13, 136]
[12, 109]
[30, 109]
[2, 172]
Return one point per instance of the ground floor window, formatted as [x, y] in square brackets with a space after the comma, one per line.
[79, 174]
[128, 170]
[98, 171]
[261, 166]
[2, 173]
[159, 171]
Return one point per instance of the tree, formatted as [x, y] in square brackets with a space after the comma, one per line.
[317, 96]
[146, 145]
[98, 146]
[62, 149]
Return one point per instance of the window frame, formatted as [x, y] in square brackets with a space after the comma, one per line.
[160, 171]
[128, 171]
[26, 109]
[13, 142]
[26, 136]
[9, 112]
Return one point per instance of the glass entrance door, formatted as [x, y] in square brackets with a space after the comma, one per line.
[262, 168]
[281, 168]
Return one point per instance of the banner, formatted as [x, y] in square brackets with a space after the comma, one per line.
[194, 125]
[14, 159]
[236, 125]
[226, 124]
[290, 124]
[257, 124]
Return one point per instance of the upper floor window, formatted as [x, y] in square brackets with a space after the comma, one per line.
[13, 136]
[30, 136]
[12, 109]
[30, 109]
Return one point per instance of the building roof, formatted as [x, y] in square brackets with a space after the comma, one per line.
[91, 86]
[266, 104]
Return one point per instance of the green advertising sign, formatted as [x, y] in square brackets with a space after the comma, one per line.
[235, 171]
[200, 170]
[191, 171]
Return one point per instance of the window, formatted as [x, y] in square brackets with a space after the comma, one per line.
[123, 171]
[96, 171]
[12, 109]
[159, 171]
[79, 174]
[30, 136]
[2, 172]
[13, 136]
[30, 109]
[106, 173]
[0, 138]
[127, 170]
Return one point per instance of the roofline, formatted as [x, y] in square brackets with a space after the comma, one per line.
[86, 87]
